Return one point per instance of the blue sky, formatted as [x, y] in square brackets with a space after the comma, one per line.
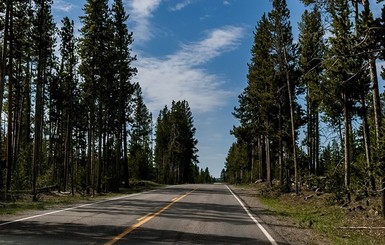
[194, 50]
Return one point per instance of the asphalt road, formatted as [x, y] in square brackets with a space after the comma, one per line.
[183, 214]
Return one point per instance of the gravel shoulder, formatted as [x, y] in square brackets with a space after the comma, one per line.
[281, 228]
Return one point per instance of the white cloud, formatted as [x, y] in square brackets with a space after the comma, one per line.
[226, 2]
[181, 5]
[141, 12]
[181, 76]
[61, 5]
[217, 41]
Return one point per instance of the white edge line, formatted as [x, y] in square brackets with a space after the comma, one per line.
[72, 208]
[268, 236]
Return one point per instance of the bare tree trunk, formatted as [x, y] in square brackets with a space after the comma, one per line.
[252, 163]
[125, 156]
[90, 148]
[268, 162]
[280, 146]
[101, 148]
[293, 136]
[365, 126]
[347, 146]
[3, 67]
[309, 136]
[316, 141]
[38, 120]
[10, 132]
[260, 159]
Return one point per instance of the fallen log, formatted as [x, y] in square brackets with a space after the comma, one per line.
[362, 228]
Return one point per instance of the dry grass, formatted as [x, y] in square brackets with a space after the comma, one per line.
[356, 223]
[23, 202]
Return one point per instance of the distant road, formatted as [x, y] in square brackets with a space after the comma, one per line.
[183, 214]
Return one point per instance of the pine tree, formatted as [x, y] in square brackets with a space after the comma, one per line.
[140, 141]
[380, 37]
[311, 48]
[68, 86]
[92, 50]
[236, 162]
[284, 52]
[124, 72]
[4, 28]
[44, 43]
[161, 153]
[11, 82]
[343, 82]
[22, 70]
[366, 47]
[175, 150]
[257, 104]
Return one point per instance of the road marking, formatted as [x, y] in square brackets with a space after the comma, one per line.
[141, 218]
[147, 218]
[268, 236]
[68, 209]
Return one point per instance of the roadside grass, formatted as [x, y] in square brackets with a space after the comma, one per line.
[23, 202]
[339, 225]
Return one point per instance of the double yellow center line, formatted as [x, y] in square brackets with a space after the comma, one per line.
[147, 218]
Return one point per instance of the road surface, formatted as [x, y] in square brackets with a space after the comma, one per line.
[183, 214]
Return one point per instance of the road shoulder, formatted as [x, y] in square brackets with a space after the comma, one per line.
[284, 230]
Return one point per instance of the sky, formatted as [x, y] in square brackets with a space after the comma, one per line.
[193, 50]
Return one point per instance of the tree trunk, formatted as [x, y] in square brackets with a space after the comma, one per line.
[346, 146]
[261, 158]
[90, 148]
[101, 148]
[377, 111]
[310, 131]
[366, 134]
[3, 67]
[268, 162]
[39, 110]
[10, 135]
[316, 141]
[280, 146]
[125, 157]
[293, 136]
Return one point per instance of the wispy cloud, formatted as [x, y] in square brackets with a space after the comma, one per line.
[182, 76]
[61, 5]
[226, 2]
[181, 5]
[141, 12]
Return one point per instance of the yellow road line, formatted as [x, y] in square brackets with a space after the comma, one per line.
[146, 218]
[141, 218]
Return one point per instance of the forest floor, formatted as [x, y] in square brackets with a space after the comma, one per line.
[21, 202]
[314, 217]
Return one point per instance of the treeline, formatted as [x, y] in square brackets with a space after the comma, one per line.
[327, 80]
[175, 149]
[71, 117]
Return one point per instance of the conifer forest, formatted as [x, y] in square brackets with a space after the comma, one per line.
[312, 111]
[72, 119]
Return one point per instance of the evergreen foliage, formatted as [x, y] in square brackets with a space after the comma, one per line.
[176, 156]
[336, 75]
[140, 152]
[77, 122]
